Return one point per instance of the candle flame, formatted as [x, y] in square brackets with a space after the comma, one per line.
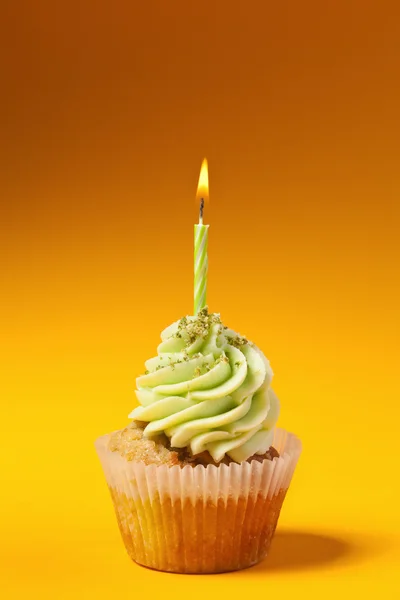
[202, 188]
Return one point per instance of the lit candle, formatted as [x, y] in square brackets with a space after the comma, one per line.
[200, 245]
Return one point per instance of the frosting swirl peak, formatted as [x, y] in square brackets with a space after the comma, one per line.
[208, 389]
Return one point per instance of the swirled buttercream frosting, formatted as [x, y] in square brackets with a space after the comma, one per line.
[208, 389]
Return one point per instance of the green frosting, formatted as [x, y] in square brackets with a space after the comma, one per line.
[208, 389]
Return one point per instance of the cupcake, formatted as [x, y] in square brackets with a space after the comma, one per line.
[199, 476]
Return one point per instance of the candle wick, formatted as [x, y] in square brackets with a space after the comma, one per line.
[201, 211]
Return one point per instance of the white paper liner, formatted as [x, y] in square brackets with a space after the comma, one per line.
[199, 519]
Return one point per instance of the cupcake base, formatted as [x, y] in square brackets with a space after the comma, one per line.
[200, 538]
[203, 519]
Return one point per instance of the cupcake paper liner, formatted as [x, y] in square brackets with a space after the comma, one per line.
[199, 519]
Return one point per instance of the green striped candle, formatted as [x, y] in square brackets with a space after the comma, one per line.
[200, 246]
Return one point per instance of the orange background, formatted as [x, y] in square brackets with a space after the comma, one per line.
[107, 112]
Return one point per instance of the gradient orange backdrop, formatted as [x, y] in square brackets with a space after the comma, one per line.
[107, 111]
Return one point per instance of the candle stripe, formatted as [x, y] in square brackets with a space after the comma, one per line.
[201, 259]
[201, 288]
[200, 298]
